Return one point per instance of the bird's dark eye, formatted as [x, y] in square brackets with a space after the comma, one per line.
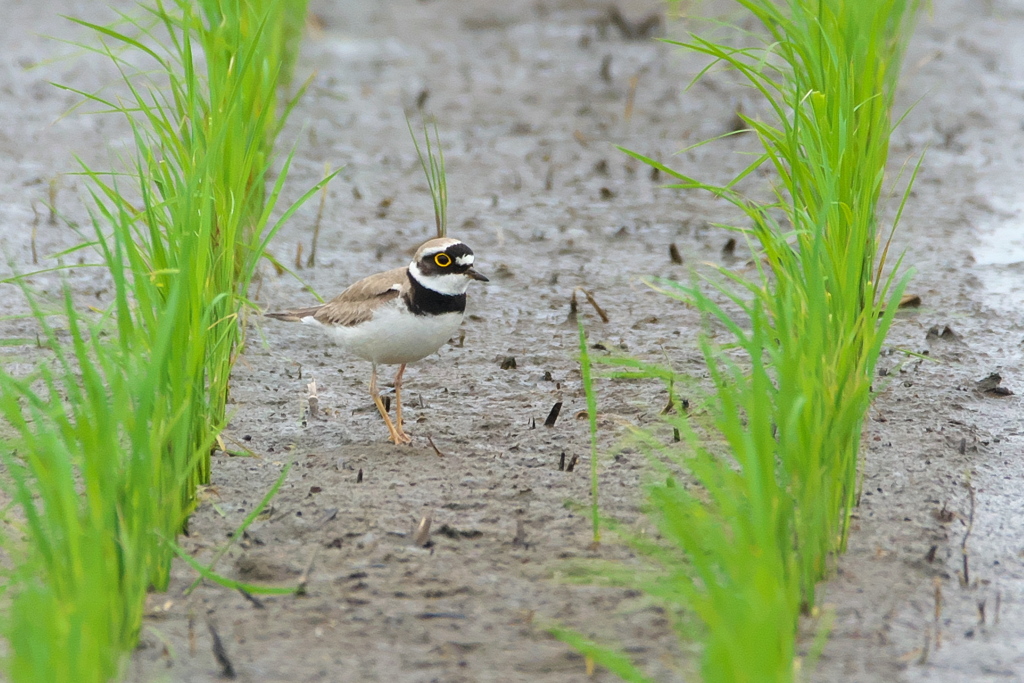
[443, 260]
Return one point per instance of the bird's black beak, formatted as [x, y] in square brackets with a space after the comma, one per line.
[476, 276]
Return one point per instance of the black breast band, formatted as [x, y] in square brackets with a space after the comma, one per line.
[424, 301]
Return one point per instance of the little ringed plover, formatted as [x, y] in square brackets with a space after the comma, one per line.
[399, 316]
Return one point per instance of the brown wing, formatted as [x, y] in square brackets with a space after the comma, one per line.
[356, 304]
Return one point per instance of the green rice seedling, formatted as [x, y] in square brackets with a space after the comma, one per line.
[618, 663]
[724, 552]
[204, 133]
[830, 81]
[96, 463]
[207, 571]
[433, 169]
[591, 394]
[770, 468]
[102, 455]
[110, 442]
[249, 519]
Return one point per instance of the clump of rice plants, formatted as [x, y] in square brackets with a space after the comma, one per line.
[112, 435]
[769, 458]
[204, 131]
[96, 464]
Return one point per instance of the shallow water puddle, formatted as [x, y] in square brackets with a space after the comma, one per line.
[999, 255]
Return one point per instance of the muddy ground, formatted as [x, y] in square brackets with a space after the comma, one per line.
[531, 98]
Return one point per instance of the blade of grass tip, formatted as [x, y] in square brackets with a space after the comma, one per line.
[225, 581]
[119, 37]
[35, 273]
[826, 621]
[588, 388]
[441, 181]
[433, 169]
[896, 220]
[619, 664]
[293, 207]
[282, 268]
[249, 519]
[311, 261]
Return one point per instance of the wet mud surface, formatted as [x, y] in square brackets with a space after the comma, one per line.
[531, 99]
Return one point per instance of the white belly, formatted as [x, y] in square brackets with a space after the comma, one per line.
[394, 335]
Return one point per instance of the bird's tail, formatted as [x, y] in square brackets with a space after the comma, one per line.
[294, 316]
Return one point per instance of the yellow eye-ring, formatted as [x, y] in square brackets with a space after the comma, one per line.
[443, 260]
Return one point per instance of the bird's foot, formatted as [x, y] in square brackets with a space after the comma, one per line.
[400, 438]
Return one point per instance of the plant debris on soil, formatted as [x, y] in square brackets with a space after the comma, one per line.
[416, 568]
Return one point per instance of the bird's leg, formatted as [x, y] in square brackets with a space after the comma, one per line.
[396, 436]
[398, 403]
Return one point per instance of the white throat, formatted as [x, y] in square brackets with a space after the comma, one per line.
[450, 285]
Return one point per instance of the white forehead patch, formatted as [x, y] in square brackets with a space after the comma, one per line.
[466, 260]
[437, 249]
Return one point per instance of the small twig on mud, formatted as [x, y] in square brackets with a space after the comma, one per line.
[671, 406]
[240, 449]
[437, 450]
[592, 301]
[519, 540]
[634, 80]
[606, 69]
[35, 226]
[220, 653]
[938, 612]
[553, 415]
[256, 602]
[329, 516]
[51, 196]
[311, 261]
[967, 534]
[359, 476]
[304, 576]
[561, 462]
[313, 400]
[572, 463]
[421, 537]
[673, 252]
